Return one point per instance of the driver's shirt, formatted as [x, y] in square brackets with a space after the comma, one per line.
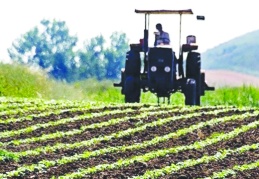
[162, 39]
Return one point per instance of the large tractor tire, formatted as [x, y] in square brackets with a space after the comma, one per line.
[132, 89]
[190, 92]
[133, 63]
[193, 71]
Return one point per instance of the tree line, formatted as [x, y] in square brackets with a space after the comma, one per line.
[51, 47]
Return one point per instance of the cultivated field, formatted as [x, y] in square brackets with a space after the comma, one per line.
[222, 78]
[66, 139]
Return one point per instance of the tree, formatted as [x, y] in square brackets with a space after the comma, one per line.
[49, 46]
[92, 63]
[99, 62]
[116, 54]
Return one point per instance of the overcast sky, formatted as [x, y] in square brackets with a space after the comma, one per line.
[224, 21]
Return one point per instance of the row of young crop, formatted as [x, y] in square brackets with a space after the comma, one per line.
[145, 113]
[93, 141]
[44, 164]
[59, 134]
[29, 129]
[27, 105]
[87, 116]
[234, 170]
[43, 108]
[162, 153]
[187, 163]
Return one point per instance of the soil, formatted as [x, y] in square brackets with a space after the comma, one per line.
[201, 170]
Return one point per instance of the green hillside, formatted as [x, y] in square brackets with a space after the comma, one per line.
[239, 54]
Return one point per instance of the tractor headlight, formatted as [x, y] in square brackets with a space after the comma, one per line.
[153, 68]
[167, 69]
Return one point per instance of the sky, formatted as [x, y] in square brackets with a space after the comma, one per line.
[224, 19]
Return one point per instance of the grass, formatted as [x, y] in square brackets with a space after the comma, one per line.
[104, 91]
[18, 81]
[239, 96]
[21, 81]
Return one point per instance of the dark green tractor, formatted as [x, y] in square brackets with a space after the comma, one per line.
[163, 74]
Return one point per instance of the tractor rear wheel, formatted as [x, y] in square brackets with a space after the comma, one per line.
[193, 71]
[190, 92]
[132, 89]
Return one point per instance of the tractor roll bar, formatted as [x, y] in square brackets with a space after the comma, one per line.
[186, 11]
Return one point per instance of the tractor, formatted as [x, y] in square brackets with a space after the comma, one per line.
[157, 70]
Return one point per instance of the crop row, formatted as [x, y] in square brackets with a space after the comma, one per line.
[127, 141]
[42, 109]
[119, 134]
[187, 163]
[233, 171]
[83, 128]
[45, 164]
[162, 153]
[89, 118]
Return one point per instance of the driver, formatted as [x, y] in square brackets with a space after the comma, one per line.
[161, 37]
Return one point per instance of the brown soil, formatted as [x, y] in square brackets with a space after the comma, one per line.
[138, 168]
